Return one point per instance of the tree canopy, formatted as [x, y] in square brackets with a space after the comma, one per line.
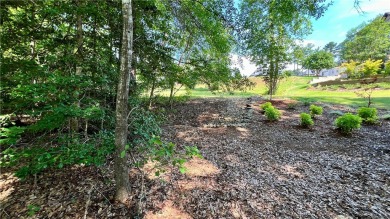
[319, 60]
[367, 41]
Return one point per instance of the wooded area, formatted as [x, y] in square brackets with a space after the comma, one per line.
[81, 80]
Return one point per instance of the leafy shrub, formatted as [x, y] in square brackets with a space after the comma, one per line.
[165, 154]
[272, 113]
[315, 110]
[69, 151]
[371, 67]
[306, 120]
[9, 136]
[352, 69]
[348, 122]
[369, 115]
[265, 105]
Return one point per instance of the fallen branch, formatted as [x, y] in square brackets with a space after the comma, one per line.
[88, 202]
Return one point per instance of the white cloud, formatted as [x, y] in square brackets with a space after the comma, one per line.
[375, 6]
[368, 7]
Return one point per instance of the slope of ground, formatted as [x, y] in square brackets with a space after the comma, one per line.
[299, 88]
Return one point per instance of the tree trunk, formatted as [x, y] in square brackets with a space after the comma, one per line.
[152, 92]
[75, 121]
[172, 86]
[121, 169]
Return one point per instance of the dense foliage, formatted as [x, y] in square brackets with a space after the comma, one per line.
[315, 110]
[367, 41]
[348, 122]
[369, 115]
[61, 63]
[272, 113]
[319, 60]
[306, 120]
[369, 68]
[265, 105]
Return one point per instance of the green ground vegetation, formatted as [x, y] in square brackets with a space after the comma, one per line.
[300, 89]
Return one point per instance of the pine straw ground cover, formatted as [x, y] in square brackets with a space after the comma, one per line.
[252, 168]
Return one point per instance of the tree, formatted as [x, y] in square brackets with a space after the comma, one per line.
[297, 55]
[370, 41]
[318, 61]
[371, 67]
[269, 29]
[125, 79]
[332, 47]
[352, 69]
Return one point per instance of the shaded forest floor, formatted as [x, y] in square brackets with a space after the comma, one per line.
[252, 168]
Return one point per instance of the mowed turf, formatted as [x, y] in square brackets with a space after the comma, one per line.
[299, 88]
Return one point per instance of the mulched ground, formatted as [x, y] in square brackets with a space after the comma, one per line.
[252, 168]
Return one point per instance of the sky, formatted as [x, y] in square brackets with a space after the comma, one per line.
[343, 16]
[340, 17]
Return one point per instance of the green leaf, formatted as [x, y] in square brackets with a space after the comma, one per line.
[182, 170]
[123, 154]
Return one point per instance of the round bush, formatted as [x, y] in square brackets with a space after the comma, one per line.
[348, 122]
[306, 120]
[369, 115]
[265, 105]
[272, 113]
[315, 110]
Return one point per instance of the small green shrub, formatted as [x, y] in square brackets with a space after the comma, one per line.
[306, 120]
[32, 210]
[272, 113]
[315, 110]
[369, 115]
[265, 105]
[348, 122]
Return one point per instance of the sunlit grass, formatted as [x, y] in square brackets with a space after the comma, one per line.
[298, 88]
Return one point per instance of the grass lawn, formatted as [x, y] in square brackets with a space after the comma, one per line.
[298, 88]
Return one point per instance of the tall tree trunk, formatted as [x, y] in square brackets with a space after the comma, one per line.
[271, 76]
[121, 168]
[74, 121]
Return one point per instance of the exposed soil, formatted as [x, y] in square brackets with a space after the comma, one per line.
[252, 168]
